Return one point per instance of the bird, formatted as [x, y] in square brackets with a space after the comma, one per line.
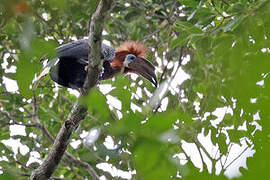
[69, 67]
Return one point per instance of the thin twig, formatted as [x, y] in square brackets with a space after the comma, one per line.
[187, 157]
[198, 144]
[236, 158]
[229, 149]
[204, 165]
[225, 2]
[145, 39]
[216, 9]
[180, 60]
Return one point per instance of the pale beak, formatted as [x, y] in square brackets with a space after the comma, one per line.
[144, 68]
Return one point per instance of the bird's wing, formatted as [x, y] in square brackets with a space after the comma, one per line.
[79, 50]
[76, 49]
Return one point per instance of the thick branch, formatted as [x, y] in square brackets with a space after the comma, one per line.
[79, 111]
[60, 144]
[69, 156]
[95, 33]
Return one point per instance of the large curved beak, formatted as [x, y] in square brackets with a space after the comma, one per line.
[144, 68]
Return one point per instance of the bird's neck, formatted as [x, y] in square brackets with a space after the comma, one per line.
[118, 62]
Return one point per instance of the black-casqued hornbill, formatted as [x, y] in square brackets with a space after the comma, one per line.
[72, 58]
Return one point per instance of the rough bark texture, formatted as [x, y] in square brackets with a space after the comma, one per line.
[79, 111]
[95, 34]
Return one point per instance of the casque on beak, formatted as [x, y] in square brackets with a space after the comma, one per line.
[144, 68]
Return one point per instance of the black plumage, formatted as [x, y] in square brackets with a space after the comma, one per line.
[70, 71]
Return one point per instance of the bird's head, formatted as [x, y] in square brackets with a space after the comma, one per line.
[130, 58]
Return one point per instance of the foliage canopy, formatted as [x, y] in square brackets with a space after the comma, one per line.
[223, 46]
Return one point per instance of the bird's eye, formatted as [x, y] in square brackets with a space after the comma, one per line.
[130, 57]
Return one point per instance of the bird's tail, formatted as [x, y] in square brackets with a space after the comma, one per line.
[45, 71]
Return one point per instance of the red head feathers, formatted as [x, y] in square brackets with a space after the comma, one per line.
[130, 57]
[132, 47]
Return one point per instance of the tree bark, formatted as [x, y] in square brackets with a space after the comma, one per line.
[79, 111]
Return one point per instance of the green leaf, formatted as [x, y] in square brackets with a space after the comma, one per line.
[93, 5]
[233, 23]
[4, 135]
[97, 105]
[130, 122]
[228, 120]
[150, 159]
[8, 172]
[223, 147]
[143, 153]
[59, 4]
[235, 135]
[189, 3]
[237, 8]
[124, 95]
[162, 121]
[25, 74]
[187, 27]
[179, 41]
[40, 48]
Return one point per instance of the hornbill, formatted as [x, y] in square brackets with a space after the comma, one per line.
[69, 67]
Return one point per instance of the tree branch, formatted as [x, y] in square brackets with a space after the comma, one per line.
[69, 157]
[236, 158]
[95, 34]
[79, 111]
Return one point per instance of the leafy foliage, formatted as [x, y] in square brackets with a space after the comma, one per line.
[223, 46]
